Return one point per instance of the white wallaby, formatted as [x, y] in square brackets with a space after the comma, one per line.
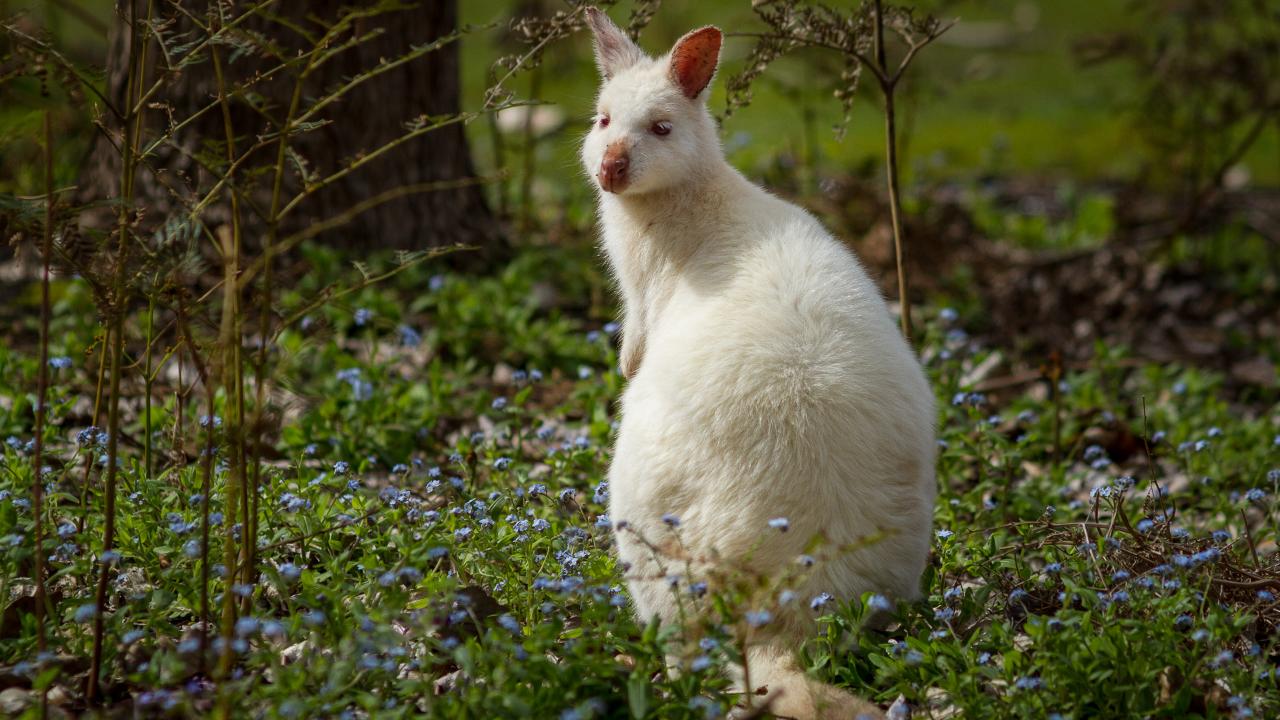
[766, 377]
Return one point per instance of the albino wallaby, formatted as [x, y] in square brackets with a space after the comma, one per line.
[767, 378]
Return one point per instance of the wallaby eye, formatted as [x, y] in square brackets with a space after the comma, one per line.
[662, 127]
[604, 121]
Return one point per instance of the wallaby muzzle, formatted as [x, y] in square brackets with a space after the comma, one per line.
[613, 175]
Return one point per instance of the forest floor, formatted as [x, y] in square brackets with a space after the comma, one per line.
[431, 535]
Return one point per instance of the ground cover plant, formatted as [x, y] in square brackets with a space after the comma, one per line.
[433, 538]
[372, 484]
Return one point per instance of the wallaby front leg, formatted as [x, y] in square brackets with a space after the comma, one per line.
[632, 352]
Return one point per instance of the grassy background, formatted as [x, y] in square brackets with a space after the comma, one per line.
[1000, 93]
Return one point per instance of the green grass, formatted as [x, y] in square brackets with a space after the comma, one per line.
[1019, 103]
[1022, 105]
[432, 545]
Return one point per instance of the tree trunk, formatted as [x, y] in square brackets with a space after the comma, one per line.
[366, 118]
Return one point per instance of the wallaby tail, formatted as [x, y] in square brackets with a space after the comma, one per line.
[792, 694]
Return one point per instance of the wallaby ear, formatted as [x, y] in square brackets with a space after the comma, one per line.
[614, 50]
[694, 59]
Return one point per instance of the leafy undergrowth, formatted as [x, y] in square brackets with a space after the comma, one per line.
[432, 538]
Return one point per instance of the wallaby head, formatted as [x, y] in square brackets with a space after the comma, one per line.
[652, 130]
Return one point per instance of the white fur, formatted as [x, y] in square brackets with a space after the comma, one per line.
[767, 380]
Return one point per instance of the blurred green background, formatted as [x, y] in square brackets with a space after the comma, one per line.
[1003, 92]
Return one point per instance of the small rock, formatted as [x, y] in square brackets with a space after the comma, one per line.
[446, 683]
[14, 700]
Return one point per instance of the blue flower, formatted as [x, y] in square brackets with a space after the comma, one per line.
[409, 337]
[362, 316]
[944, 614]
[1255, 495]
[700, 663]
[1053, 568]
[879, 603]
[61, 362]
[1028, 683]
[780, 524]
[820, 601]
[1145, 525]
[498, 403]
[91, 436]
[758, 618]
[948, 315]
[670, 520]
[1223, 658]
[510, 623]
[247, 626]
[461, 534]
[1266, 596]
[85, 613]
[292, 503]
[943, 534]
[361, 389]
[502, 463]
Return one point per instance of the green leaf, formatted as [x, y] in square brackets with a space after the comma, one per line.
[638, 693]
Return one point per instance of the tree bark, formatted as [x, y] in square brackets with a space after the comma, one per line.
[372, 114]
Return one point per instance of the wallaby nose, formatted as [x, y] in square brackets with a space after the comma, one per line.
[613, 170]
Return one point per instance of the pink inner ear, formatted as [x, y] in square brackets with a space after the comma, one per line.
[693, 60]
